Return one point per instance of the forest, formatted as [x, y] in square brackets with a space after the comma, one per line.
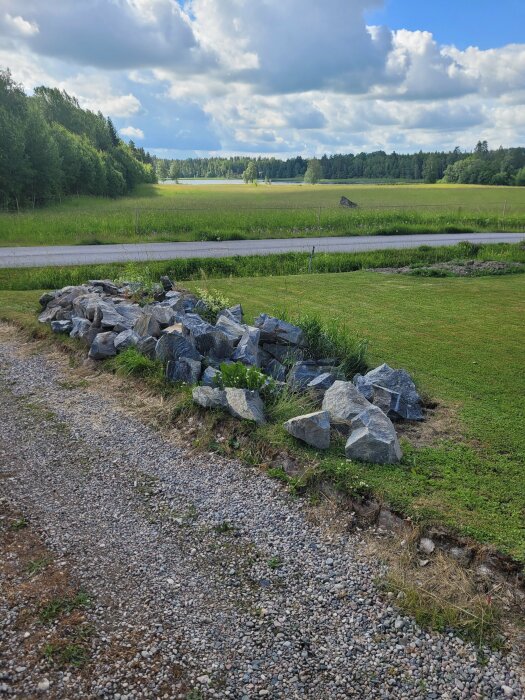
[504, 166]
[51, 147]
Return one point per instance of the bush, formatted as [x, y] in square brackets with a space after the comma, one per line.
[215, 303]
[240, 376]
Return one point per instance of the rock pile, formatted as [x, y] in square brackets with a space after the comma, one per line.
[104, 316]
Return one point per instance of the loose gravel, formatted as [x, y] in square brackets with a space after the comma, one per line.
[211, 577]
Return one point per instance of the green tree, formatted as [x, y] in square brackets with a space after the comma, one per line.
[175, 171]
[313, 172]
[250, 174]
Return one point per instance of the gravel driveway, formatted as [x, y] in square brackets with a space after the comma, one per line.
[214, 581]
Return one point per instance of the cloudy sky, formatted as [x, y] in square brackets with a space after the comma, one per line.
[282, 77]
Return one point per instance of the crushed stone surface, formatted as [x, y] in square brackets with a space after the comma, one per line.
[205, 579]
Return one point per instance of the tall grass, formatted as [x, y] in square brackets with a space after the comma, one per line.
[255, 265]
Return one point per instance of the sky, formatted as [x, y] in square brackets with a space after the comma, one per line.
[281, 77]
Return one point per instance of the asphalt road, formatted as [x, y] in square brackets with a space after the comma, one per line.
[92, 254]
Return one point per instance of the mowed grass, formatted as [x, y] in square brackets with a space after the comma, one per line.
[463, 341]
[232, 212]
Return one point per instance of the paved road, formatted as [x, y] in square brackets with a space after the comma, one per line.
[87, 254]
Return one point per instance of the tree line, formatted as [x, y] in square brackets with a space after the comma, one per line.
[50, 146]
[504, 166]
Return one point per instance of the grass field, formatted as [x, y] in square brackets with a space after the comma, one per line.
[463, 341]
[228, 212]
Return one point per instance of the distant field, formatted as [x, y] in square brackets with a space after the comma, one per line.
[227, 212]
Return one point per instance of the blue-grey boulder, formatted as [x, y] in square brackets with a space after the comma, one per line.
[274, 330]
[210, 376]
[126, 339]
[184, 370]
[103, 346]
[229, 325]
[407, 405]
[321, 384]
[373, 438]
[302, 373]
[173, 346]
[276, 370]
[284, 353]
[245, 404]
[147, 345]
[209, 397]
[106, 286]
[344, 402]
[247, 351]
[237, 312]
[80, 327]
[312, 428]
[165, 315]
[147, 325]
[62, 326]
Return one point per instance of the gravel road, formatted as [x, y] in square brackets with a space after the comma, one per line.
[91, 254]
[215, 581]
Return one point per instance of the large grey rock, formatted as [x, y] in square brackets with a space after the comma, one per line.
[147, 325]
[245, 404]
[103, 346]
[274, 330]
[302, 373]
[147, 345]
[49, 314]
[184, 370]
[312, 428]
[46, 298]
[62, 326]
[237, 312]
[247, 351]
[172, 346]
[344, 402]
[126, 339]
[107, 286]
[166, 283]
[284, 353]
[321, 384]
[229, 325]
[85, 305]
[165, 315]
[408, 403]
[131, 312]
[373, 438]
[275, 370]
[209, 397]
[208, 339]
[80, 327]
[210, 376]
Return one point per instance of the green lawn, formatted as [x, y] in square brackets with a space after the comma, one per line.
[226, 212]
[463, 340]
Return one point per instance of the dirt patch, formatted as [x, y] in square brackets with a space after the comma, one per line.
[441, 423]
[467, 268]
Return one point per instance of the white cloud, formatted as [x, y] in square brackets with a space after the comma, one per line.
[132, 132]
[19, 25]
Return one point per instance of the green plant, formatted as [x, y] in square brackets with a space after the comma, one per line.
[240, 376]
[59, 606]
[131, 362]
[35, 566]
[19, 524]
[73, 654]
[214, 303]
[274, 563]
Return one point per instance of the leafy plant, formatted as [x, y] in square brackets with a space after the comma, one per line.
[240, 376]
[132, 363]
[214, 303]
[58, 606]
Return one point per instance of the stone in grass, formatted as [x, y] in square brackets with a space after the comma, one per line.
[49, 314]
[166, 283]
[237, 312]
[245, 404]
[247, 350]
[184, 370]
[103, 346]
[320, 385]
[276, 370]
[46, 298]
[409, 404]
[302, 373]
[80, 327]
[146, 346]
[373, 438]
[344, 402]
[62, 326]
[210, 376]
[173, 346]
[274, 330]
[146, 325]
[312, 428]
[126, 339]
[209, 397]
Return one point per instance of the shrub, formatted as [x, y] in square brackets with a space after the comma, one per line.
[215, 303]
[240, 376]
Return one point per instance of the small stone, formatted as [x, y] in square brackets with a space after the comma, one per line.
[426, 545]
[44, 685]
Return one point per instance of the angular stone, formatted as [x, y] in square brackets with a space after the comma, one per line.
[237, 312]
[208, 339]
[184, 370]
[173, 346]
[373, 438]
[103, 346]
[126, 339]
[107, 286]
[245, 404]
[62, 326]
[274, 330]
[247, 350]
[46, 298]
[321, 384]
[165, 315]
[408, 405]
[230, 326]
[131, 312]
[344, 402]
[49, 314]
[80, 327]
[302, 373]
[166, 283]
[210, 376]
[312, 428]
[385, 399]
[85, 305]
[209, 397]
[147, 345]
[284, 353]
[146, 325]
[276, 370]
